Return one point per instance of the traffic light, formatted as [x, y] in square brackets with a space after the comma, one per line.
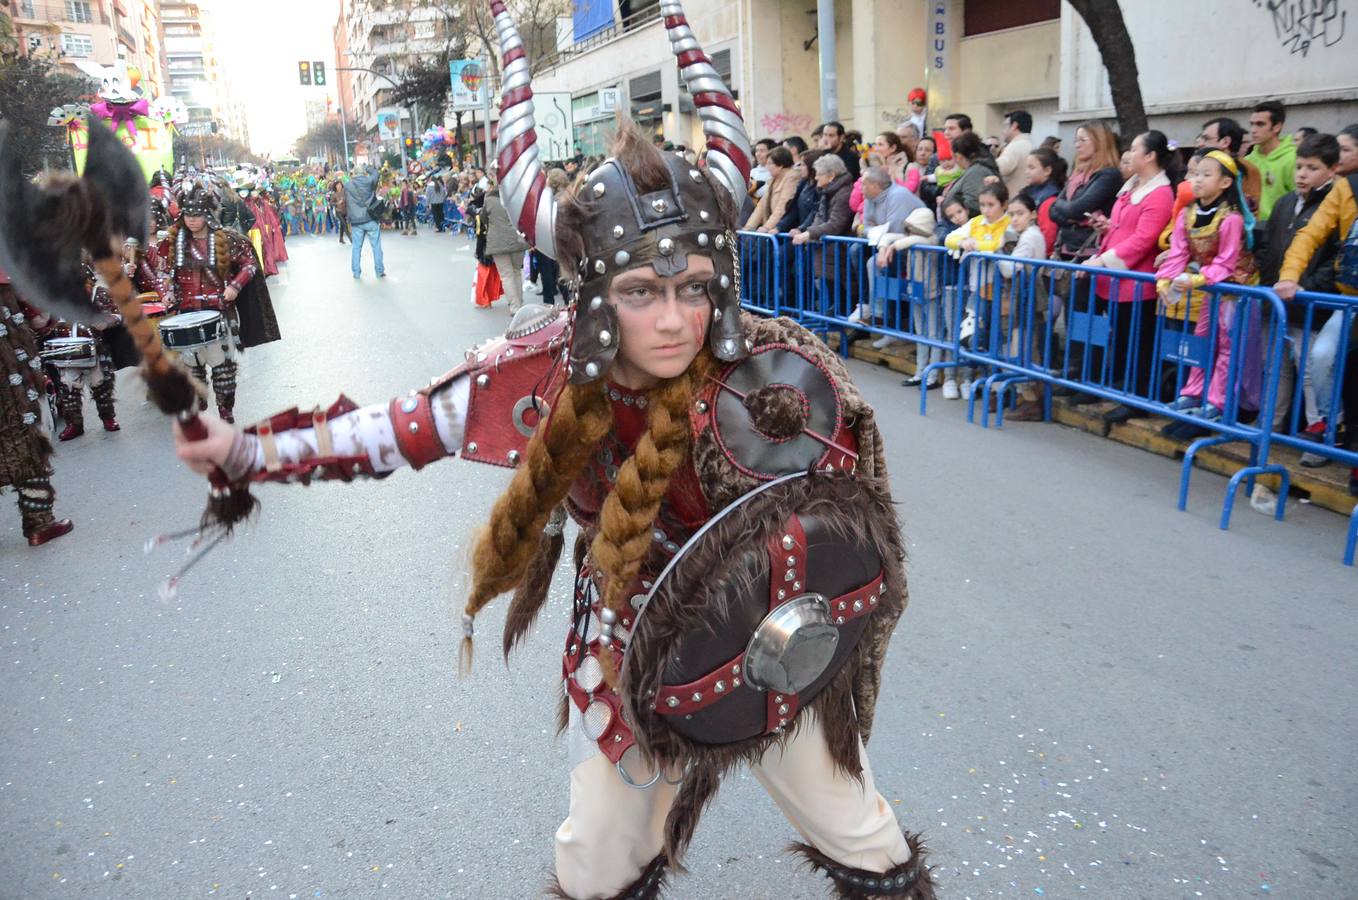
[304, 72]
[318, 73]
[410, 148]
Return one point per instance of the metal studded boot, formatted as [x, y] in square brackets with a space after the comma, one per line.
[200, 375]
[224, 389]
[103, 402]
[70, 401]
[36, 499]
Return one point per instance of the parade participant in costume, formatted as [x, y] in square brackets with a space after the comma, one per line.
[272, 251]
[79, 355]
[207, 267]
[234, 213]
[739, 567]
[25, 452]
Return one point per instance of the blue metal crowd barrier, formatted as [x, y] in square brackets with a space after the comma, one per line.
[1139, 354]
[1322, 337]
[1048, 324]
[763, 271]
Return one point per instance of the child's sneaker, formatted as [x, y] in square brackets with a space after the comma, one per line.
[966, 388]
[1184, 404]
[950, 390]
[883, 342]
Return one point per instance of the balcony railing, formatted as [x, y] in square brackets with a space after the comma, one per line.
[617, 30]
[34, 11]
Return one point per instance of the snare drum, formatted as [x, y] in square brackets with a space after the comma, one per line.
[192, 331]
[70, 353]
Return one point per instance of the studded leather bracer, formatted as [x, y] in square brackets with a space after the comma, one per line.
[325, 465]
[486, 409]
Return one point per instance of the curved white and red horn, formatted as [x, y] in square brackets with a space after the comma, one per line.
[523, 185]
[728, 146]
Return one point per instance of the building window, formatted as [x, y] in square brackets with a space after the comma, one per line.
[647, 110]
[985, 16]
[77, 45]
[26, 9]
[79, 11]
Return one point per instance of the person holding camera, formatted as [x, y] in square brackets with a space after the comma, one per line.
[365, 211]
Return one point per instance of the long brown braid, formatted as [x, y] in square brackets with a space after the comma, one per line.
[629, 512]
[555, 455]
[505, 550]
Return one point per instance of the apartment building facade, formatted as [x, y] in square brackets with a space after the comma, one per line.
[101, 31]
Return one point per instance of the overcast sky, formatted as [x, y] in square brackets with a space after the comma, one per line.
[261, 44]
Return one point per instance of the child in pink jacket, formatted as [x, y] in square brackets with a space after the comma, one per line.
[1212, 244]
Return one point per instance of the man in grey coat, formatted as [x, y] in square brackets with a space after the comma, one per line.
[505, 246]
[885, 202]
[359, 194]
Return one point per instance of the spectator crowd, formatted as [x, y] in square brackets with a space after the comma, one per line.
[1247, 204]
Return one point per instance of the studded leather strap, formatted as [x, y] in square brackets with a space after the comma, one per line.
[417, 437]
[787, 555]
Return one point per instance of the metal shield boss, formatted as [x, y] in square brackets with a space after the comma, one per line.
[758, 612]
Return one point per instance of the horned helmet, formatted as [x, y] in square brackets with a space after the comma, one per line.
[689, 215]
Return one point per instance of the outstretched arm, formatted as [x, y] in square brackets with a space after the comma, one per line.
[340, 443]
[485, 410]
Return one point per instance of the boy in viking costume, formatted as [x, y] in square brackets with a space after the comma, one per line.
[204, 266]
[739, 563]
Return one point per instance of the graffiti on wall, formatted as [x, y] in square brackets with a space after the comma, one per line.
[894, 117]
[1303, 24]
[785, 122]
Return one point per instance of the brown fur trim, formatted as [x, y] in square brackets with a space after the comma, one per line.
[911, 880]
[776, 411]
[172, 394]
[649, 885]
[532, 590]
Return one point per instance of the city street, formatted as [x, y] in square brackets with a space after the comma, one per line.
[1090, 695]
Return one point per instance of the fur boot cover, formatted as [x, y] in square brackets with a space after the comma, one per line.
[911, 880]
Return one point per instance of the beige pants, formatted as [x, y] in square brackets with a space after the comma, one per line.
[613, 831]
[510, 266]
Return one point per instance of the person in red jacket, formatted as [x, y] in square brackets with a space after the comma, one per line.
[1130, 243]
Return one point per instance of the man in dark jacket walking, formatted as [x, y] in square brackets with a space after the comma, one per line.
[359, 194]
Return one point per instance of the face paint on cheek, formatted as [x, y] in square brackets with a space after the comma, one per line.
[697, 328]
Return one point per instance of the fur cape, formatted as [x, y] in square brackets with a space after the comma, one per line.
[25, 450]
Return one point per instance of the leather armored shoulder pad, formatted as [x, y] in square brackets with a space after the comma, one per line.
[514, 380]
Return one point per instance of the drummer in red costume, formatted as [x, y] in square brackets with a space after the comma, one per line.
[203, 266]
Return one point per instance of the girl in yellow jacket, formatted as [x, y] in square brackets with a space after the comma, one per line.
[983, 234]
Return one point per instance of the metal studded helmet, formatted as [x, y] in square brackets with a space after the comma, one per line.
[693, 212]
[196, 198]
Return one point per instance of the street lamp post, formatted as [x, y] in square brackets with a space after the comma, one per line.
[414, 109]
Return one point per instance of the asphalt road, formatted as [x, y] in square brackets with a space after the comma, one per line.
[1091, 694]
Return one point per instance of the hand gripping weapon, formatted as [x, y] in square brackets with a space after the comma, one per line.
[43, 231]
